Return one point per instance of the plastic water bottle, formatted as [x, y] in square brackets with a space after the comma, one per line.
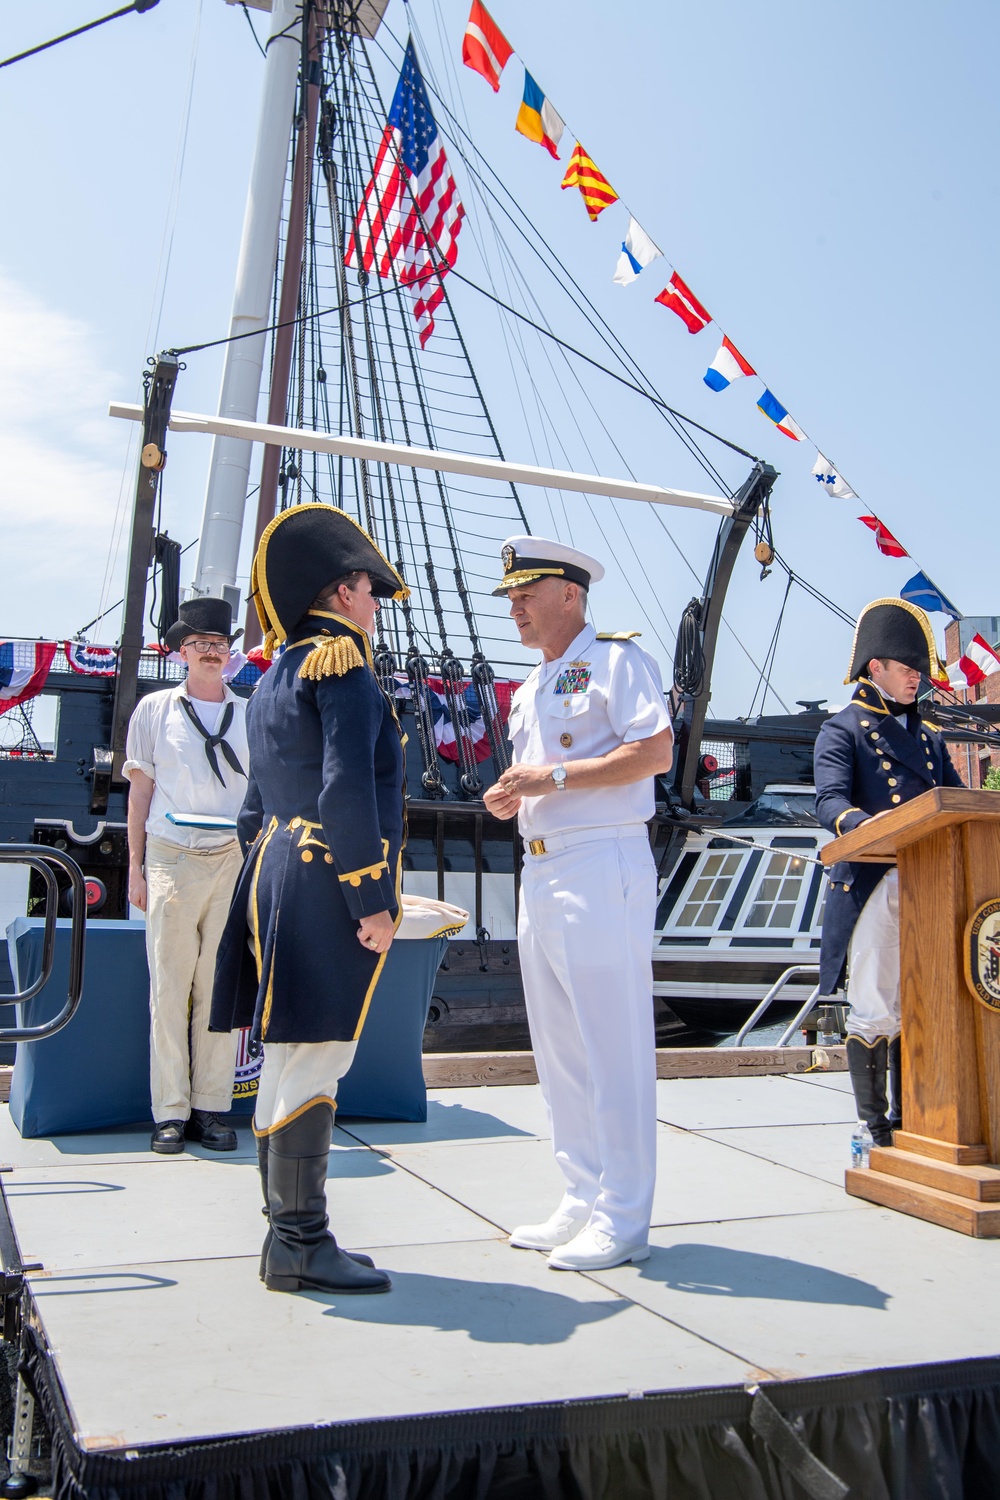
[861, 1145]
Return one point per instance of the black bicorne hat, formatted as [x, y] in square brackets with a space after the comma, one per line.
[201, 617]
[896, 630]
[302, 550]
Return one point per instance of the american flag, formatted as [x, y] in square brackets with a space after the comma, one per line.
[411, 214]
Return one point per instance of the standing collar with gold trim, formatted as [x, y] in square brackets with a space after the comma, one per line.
[320, 622]
[867, 693]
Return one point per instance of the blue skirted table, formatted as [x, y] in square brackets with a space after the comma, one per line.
[95, 1072]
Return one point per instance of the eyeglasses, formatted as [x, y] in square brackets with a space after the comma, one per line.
[203, 647]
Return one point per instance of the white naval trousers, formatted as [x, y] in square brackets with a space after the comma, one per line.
[296, 1074]
[585, 936]
[873, 965]
[188, 892]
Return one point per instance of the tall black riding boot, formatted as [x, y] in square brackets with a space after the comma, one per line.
[302, 1254]
[867, 1067]
[895, 1084]
[262, 1156]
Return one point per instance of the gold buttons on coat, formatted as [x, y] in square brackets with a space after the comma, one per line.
[307, 855]
[874, 734]
[865, 723]
[896, 797]
[924, 738]
[295, 823]
[565, 740]
[892, 781]
[886, 766]
[328, 859]
[846, 886]
[930, 765]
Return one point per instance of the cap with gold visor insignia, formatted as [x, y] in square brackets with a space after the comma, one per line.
[526, 559]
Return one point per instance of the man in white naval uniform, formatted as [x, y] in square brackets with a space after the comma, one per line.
[589, 729]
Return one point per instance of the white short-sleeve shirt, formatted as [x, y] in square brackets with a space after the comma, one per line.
[164, 743]
[599, 695]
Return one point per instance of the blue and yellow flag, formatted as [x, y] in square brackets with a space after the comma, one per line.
[536, 118]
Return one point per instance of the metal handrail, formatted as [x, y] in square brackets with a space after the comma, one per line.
[777, 986]
[40, 858]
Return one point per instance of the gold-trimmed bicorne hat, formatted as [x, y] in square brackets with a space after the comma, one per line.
[527, 558]
[303, 549]
[896, 630]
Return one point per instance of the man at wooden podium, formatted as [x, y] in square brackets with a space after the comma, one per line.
[875, 754]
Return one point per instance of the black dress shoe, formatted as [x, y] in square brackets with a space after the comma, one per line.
[168, 1137]
[206, 1128]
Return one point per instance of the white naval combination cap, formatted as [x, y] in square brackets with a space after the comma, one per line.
[527, 558]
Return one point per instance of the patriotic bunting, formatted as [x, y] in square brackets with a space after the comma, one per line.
[598, 194]
[830, 480]
[977, 662]
[91, 661]
[24, 669]
[778, 414]
[638, 251]
[537, 120]
[727, 366]
[444, 729]
[884, 539]
[485, 49]
[921, 591]
[681, 300]
[411, 214]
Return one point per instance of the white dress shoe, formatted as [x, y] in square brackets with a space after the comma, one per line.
[557, 1230]
[595, 1250]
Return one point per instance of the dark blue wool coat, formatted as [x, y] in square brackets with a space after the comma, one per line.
[867, 761]
[322, 827]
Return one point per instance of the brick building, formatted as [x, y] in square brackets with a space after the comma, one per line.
[973, 761]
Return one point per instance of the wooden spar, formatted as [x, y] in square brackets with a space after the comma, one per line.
[427, 458]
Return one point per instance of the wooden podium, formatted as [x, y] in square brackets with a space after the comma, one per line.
[945, 1164]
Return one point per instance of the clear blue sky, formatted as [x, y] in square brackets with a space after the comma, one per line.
[825, 178]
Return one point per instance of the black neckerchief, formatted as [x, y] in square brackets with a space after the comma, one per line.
[219, 738]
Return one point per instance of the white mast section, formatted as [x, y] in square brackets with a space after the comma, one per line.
[225, 498]
[428, 458]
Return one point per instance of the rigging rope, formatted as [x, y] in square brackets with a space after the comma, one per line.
[137, 5]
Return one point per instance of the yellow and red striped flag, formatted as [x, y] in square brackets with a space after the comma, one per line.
[597, 191]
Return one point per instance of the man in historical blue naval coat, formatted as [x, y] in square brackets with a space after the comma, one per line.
[873, 755]
[318, 900]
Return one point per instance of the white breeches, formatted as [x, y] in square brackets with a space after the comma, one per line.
[295, 1074]
[585, 935]
[873, 965]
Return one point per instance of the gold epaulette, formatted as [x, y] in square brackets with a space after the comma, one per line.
[618, 635]
[331, 656]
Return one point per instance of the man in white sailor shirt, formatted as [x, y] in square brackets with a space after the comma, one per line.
[589, 730]
[187, 759]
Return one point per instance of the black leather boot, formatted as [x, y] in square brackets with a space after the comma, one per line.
[867, 1067]
[262, 1140]
[302, 1254]
[895, 1084]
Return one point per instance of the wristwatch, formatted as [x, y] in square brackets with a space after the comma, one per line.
[559, 777]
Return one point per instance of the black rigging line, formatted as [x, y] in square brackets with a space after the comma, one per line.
[137, 5]
[253, 32]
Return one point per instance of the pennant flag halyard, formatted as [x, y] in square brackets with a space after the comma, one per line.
[978, 660]
[24, 668]
[884, 539]
[776, 413]
[638, 251]
[411, 214]
[598, 194]
[830, 480]
[537, 120]
[727, 366]
[681, 300]
[921, 591]
[485, 49]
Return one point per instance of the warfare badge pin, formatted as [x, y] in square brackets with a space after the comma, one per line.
[982, 954]
[507, 556]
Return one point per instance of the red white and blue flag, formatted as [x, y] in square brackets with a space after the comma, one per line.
[410, 215]
[778, 414]
[727, 366]
[444, 729]
[91, 661]
[24, 668]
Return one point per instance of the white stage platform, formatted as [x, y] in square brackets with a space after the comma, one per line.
[762, 1270]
